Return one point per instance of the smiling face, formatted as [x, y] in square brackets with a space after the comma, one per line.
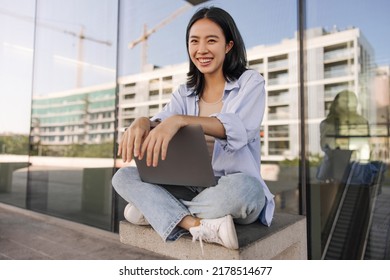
[207, 47]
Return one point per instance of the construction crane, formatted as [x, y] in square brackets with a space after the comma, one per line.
[79, 35]
[146, 33]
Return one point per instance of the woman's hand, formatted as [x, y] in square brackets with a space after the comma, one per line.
[157, 140]
[131, 142]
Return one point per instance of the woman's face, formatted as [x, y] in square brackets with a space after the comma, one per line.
[207, 46]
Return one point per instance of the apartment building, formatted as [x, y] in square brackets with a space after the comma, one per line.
[80, 116]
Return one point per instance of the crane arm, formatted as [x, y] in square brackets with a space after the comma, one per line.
[164, 22]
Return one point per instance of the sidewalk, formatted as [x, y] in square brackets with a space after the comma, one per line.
[27, 235]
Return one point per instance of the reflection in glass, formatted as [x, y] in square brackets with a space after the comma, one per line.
[16, 59]
[73, 111]
[348, 136]
[74, 123]
[345, 128]
[345, 135]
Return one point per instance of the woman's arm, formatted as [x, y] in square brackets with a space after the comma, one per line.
[210, 125]
[243, 112]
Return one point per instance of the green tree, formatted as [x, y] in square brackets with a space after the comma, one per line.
[16, 144]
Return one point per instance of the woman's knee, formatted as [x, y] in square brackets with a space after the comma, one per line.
[236, 194]
[248, 196]
[242, 186]
[123, 176]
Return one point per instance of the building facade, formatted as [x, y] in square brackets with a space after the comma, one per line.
[83, 116]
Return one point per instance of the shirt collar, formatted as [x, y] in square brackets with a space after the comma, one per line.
[230, 85]
[190, 92]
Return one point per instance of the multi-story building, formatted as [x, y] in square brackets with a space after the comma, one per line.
[81, 116]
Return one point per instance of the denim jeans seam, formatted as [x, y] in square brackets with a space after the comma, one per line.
[174, 224]
[178, 219]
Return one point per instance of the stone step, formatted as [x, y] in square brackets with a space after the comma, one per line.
[284, 240]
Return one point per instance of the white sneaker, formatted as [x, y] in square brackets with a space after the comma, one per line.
[221, 231]
[134, 216]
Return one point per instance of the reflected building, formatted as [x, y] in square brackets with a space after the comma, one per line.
[81, 116]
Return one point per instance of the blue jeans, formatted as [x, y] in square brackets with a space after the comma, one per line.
[164, 206]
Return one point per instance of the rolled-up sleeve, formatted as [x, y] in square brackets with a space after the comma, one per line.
[243, 113]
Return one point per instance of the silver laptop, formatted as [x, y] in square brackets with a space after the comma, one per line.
[187, 162]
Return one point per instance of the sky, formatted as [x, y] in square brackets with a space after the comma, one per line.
[260, 22]
[58, 48]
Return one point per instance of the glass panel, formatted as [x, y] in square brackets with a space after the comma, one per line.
[348, 96]
[16, 59]
[150, 70]
[73, 110]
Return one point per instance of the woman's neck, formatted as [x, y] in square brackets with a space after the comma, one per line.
[213, 89]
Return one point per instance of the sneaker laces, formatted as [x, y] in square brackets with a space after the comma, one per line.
[206, 232]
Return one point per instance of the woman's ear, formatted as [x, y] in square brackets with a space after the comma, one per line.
[229, 46]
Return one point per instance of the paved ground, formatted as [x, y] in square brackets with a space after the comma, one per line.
[27, 235]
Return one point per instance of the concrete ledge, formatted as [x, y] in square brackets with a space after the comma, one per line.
[285, 239]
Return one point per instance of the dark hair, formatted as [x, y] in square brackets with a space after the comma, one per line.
[335, 106]
[235, 60]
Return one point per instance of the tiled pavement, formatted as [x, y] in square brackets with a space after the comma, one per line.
[27, 235]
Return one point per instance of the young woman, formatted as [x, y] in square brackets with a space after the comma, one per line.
[228, 101]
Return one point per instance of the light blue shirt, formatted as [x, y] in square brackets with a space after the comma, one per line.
[241, 115]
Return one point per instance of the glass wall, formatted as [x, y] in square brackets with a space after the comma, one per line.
[348, 114]
[75, 74]
[69, 104]
[16, 64]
